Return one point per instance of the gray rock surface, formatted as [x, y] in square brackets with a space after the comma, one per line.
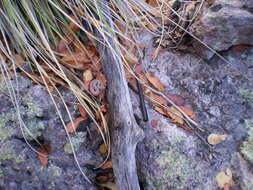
[171, 158]
[20, 168]
[222, 24]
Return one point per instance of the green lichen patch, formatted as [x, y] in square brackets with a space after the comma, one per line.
[7, 153]
[247, 146]
[248, 94]
[176, 171]
[6, 131]
[76, 141]
[33, 129]
[55, 171]
[33, 108]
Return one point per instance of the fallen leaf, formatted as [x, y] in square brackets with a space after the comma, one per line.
[216, 138]
[109, 185]
[138, 69]
[178, 100]
[87, 76]
[156, 52]
[130, 58]
[188, 112]
[62, 46]
[107, 164]
[43, 154]
[240, 47]
[155, 81]
[154, 123]
[157, 98]
[103, 149]
[73, 26]
[5, 58]
[83, 112]
[225, 180]
[18, 59]
[153, 3]
[76, 57]
[72, 128]
[175, 115]
[120, 26]
[160, 110]
[102, 178]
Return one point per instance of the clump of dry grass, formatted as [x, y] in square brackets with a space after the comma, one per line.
[33, 30]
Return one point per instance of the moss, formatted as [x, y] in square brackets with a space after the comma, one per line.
[247, 146]
[76, 141]
[176, 171]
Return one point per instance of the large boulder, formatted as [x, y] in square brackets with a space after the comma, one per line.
[222, 24]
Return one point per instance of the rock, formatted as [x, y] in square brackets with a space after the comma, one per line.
[219, 94]
[243, 174]
[247, 147]
[20, 167]
[222, 24]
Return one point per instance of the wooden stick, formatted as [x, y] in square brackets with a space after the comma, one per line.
[125, 133]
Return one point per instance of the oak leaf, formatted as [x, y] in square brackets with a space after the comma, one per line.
[87, 76]
[175, 115]
[154, 123]
[188, 111]
[103, 149]
[43, 154]
[76, 57]
[160, 110]
[71, 128]
[107, 164]
[225, 180]
[155, 81]
[83, 112]
[157, 99]
[214, 139]
[178, 100]
[109, 185]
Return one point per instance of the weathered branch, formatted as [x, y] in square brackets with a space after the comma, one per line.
[125, 133]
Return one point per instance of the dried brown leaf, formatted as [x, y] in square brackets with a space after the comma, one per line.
[109, 185]
[175, 115]
[157, 98]
[87, 76]
[155, 81]
[178, 100]
[103, 149]
[154, 123]
[43, 154]
[188, 111]
[76, 57]
[83, 112]
[72, 128]
[225, 180]
[107, 164]
[160, 110]
[214, 139]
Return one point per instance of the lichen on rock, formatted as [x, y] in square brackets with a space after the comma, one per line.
[247, 147]
[6, 131]
[7, 153]
[76, 142]
[177, 170]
